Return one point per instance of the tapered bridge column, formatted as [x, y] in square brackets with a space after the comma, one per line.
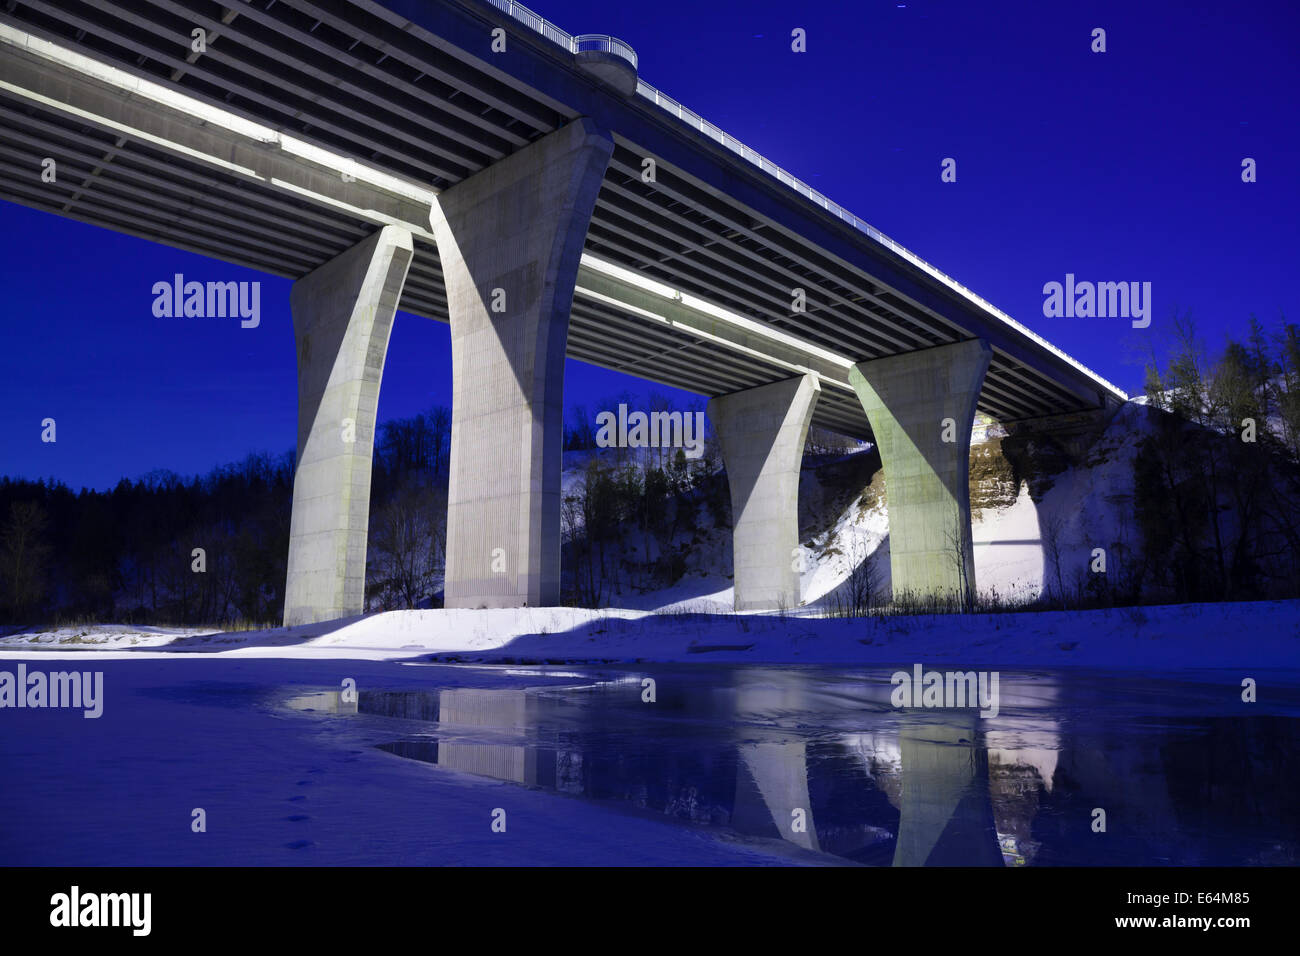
[921, 406]
[510, 240]
[762, 431]
[342, 317]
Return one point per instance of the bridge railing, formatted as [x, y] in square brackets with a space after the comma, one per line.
[604, 44]
[549, 30]
[534, 22]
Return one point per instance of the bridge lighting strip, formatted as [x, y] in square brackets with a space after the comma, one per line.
[134, 86]
[696, 333]
[686, 300]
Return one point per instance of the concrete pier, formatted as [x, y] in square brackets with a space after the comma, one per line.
[342, 316]
[921, 406]
[762, 431]
[510, 239]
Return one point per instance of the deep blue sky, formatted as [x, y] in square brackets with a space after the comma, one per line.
[1116, 166]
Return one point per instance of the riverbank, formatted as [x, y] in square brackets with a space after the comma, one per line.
[1257, 634]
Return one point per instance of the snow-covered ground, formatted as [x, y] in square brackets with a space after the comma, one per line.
[105, 637]
[1261, 634]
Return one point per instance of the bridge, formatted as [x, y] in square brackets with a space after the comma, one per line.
[470, 162]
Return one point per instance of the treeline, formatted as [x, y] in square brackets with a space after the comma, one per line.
[129, 555]
[622, 516]
[630, 517]
[1217, 482]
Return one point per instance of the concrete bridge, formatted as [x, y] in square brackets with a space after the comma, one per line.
[468, 161]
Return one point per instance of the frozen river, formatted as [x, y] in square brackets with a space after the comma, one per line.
[1076, 767]
[211, 759]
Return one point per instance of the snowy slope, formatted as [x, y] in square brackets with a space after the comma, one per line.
[1166, 637]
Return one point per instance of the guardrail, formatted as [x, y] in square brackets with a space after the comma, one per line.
[691, 118]
[604, 44]
[533, 21]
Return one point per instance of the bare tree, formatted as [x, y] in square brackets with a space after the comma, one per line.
[577, 511]
[409, 543]
[959, 555]
[1050, 529]
[860, 583]
[24, 556]
[439, 424]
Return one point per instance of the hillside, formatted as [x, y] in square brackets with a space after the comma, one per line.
[844, 523]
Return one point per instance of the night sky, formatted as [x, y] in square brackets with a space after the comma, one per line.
[1121, 166]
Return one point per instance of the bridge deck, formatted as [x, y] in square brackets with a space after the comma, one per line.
[424, 104]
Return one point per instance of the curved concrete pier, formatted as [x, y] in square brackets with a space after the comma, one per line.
[510, 239]
[342, 316]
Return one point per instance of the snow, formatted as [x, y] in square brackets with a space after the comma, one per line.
[197, 718]
[692, 620]
[104, 636]
[1172, 636]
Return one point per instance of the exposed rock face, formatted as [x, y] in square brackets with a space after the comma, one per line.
[993, 479]
[1039, 449]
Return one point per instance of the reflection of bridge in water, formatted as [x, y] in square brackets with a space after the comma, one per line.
[829, 766]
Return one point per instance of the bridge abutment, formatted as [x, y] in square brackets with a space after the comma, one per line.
[921, 406]
[510, 239]
[342, 317]
[762, 431]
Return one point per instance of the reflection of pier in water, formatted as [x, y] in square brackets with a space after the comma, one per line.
[827, 766]
[946, 817]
